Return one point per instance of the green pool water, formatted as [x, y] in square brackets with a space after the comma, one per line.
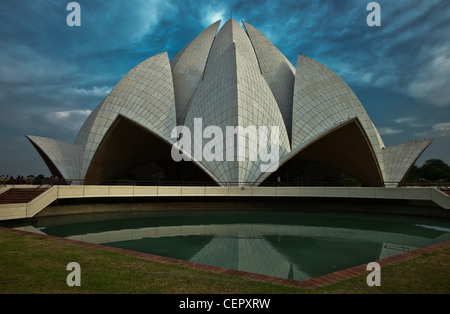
[288, 244]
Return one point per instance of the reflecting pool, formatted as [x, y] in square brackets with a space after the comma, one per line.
[288, 244]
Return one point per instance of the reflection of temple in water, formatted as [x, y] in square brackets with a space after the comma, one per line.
[285, 251]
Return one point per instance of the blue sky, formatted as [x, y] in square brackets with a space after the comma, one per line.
[52, 75]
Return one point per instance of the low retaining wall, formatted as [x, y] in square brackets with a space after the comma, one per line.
[430, 196]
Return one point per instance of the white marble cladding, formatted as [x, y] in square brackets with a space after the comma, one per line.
[398, 160]
[230, 78]
[65, 157]
[277, 71]
[145, 95]
[233, 92]
[322, 101]
[188, 66]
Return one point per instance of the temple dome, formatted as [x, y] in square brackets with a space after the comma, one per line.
[229, 77]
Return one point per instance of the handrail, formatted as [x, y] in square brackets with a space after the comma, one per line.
[305, 183]
[439, 185]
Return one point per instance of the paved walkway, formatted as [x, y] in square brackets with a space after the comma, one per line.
[308, 284]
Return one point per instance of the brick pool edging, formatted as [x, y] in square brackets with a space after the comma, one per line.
[306, 284]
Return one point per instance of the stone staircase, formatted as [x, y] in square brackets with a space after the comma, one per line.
[20, 195]
[445, 190]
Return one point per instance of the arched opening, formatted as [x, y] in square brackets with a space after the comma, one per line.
[343, 156]
[130, 154]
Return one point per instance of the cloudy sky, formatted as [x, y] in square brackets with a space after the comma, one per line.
[52, 75]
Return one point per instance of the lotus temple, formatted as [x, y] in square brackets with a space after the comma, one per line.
[229, 77]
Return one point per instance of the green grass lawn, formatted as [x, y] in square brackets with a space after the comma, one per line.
[37, 265]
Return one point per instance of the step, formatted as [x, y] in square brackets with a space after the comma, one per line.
[22, 195]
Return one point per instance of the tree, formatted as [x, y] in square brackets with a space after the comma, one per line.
[433, 170]
[39, 179]
[413, 174]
